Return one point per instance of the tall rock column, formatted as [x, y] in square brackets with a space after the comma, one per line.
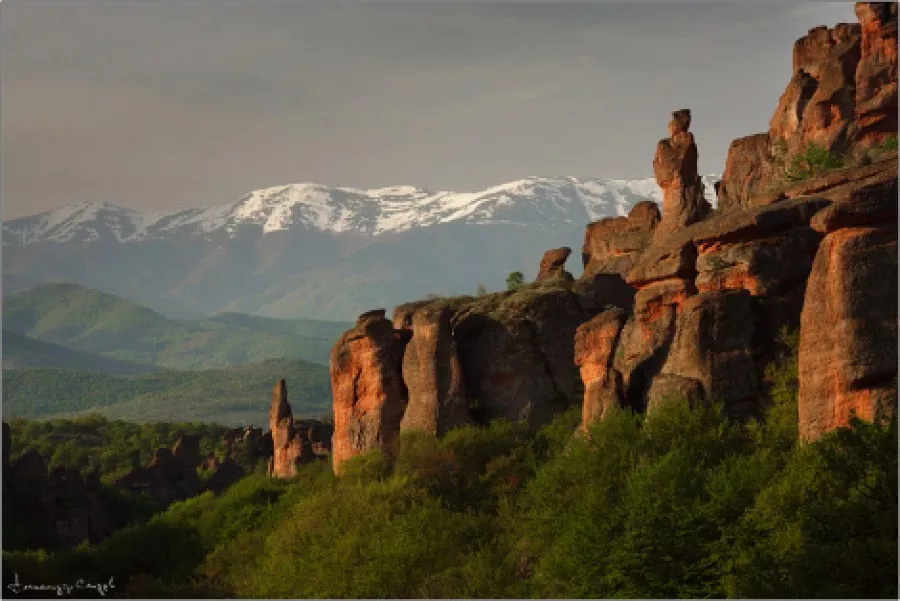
[848, 327]
[675, 169]
[287, 448]
[433, 374]
[367, 388]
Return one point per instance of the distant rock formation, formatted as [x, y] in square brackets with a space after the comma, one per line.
[171, 475]
[71, 507]
[294, 442]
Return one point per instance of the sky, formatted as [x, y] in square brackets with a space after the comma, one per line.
[171, 104]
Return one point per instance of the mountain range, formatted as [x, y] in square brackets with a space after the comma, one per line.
[311, 251]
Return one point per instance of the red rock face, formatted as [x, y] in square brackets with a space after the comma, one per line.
[595, 343]
[675, 169]
[612, 245]
[368, 391]
[842, 96]
[748, 163]
[876, 74]
[848, 332]
[817, 106]
[433, 375]
[553, 263]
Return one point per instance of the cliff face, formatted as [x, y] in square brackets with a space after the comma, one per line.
[842, 97]
[680, 303]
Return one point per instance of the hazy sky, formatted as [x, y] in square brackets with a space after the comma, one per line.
[168, 104]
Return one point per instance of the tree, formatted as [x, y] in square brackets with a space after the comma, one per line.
[514, 280]
[481, 290]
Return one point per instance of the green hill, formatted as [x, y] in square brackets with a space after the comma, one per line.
[96, 322]
[231, 396]
[22, 352]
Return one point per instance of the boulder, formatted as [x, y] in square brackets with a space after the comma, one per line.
[553, 264]
[369, 395]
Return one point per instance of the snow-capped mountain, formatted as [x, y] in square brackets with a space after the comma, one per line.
[342, 250]
[536, 202]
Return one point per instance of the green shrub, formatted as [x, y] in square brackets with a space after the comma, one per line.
[514, 280]
[813, 160]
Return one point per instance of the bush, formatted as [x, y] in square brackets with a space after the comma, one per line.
[810, 162]
[514, 280]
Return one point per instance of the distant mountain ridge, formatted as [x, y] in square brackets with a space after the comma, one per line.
[313, 252]
[533, 202]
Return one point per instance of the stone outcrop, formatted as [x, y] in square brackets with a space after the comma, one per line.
[553, 264]
[595, 343]
[712, 354]
[842, 97]
[848, 333]
[876, 74]
[443, 363]
[613, 244]
[433, 375]
[367, 387]
[675, 169]
[295, 442]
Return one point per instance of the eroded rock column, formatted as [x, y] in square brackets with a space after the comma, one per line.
[675, 169]
[368, 392]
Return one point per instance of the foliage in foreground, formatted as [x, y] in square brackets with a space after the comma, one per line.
[683, 504]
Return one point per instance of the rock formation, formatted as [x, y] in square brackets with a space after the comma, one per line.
[595, 343]
[294, 442]
[687, 304]
[553, 264]
[675, 169]
[433, 375]
[367, 387]
[842, 97]
[876, 74]
[848, 334]
[225, 475]
[443, 363]
[613, 244]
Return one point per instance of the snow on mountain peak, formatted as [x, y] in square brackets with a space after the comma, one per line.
[532, 201]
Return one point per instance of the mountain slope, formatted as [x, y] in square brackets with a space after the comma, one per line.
[231, 396]
[22, 352]
[95, 322]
